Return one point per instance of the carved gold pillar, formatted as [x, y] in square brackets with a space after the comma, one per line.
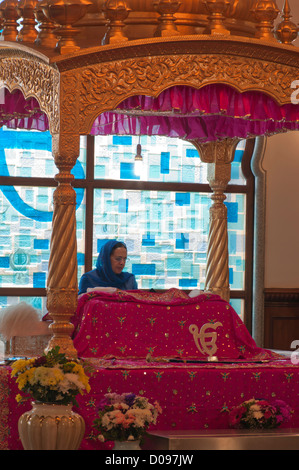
[62, 283]
[218, 156]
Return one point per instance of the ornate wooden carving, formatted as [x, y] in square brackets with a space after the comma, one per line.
[101, 84]
[166, 10]
[62, 282]
[286, 31]
[35, 79]
[115, 12]
[26, 12]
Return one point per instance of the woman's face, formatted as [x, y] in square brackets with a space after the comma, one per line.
[118, 259]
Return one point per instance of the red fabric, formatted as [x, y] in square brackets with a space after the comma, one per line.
[191, 396]
[208, 100]
[137, 323]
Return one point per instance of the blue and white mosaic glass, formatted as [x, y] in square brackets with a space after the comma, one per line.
[167, 235]
[166, 232]
[163, 160]
[39, 303]
[26, 212]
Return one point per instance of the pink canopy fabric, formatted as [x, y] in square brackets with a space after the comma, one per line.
[211, 113]
[18, 113]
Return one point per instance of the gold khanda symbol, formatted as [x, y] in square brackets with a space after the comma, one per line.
[207, 338]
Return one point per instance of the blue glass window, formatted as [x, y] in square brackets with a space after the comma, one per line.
[166, 231]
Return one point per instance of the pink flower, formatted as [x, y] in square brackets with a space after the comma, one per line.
[279, 419]
[268, 413]
[259, 414]
[236, 415]
[263, 403]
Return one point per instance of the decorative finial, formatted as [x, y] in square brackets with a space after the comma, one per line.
[26, 8]
[66, 13]
[115, 11]
[167, 9]
[1, 17]
[10, 17]
[216, 10]
[45, 37]
[265, 12]
[286, 31]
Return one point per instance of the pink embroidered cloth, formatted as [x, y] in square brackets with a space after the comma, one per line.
[192, 396]
[113, 329]
[172, 325]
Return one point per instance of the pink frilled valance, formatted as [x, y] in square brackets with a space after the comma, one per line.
[17, 112]
[211, 113]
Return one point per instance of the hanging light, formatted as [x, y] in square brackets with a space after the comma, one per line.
[138, 160]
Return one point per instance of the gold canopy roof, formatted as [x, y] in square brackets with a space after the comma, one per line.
[191, 17]
[74, 24]
[80, 58]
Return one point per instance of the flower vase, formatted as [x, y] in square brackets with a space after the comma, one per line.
[48, 426]
[127, 445]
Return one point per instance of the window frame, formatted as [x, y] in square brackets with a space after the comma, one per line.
[89, 184]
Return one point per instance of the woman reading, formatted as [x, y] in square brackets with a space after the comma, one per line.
[109, 269]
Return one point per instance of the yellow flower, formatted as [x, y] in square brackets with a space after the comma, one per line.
[19, 398]
[22, 381]
[79, 370]
[31, 375]
[20, 366]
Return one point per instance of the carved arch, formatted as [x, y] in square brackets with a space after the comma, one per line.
[35, 79]
[98, 82]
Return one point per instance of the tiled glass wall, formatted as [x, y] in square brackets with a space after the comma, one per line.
[39, 303]
[163, 160]
[167, 235]
[166, 232]
[26, 211]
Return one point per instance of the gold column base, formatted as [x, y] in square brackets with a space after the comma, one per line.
[64, 343]
[61, 304]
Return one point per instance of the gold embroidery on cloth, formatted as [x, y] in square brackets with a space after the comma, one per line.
[207, 339]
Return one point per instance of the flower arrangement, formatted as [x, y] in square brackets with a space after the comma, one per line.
[51, 378]
[259, 414]
[125, 417]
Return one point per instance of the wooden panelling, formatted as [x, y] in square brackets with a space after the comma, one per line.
[281, 318]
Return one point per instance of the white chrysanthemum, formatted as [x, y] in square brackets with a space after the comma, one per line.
[48, 377]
